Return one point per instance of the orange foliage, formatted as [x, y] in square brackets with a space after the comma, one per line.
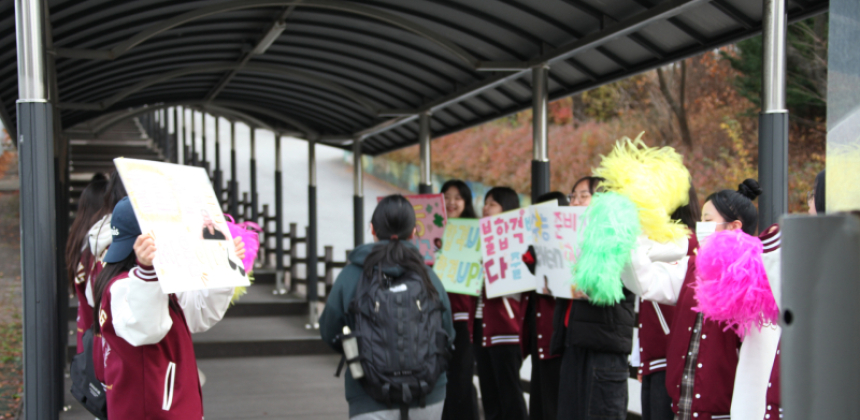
[724, 132]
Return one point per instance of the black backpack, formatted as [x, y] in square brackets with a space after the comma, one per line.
[86, 388]
[402, 345]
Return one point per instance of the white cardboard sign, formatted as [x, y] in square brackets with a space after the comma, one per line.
[556, 237]
[176, 204]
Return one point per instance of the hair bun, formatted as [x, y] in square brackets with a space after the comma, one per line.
[750, 189]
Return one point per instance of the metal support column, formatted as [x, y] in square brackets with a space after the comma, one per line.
[426, 184]
[312, 277]
[773, 120]
[174, 150]
[38, 217]
[203, 161]
[540, 158]
[234, 183]
[280, 288]
[194, 161]
[185, 151]
[219, 181]
[254, 204]
[358, 198]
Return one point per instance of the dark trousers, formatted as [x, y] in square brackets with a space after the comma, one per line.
[543, 392]
[461, 398]
[593, 385]
[656, 403]
[499, 375]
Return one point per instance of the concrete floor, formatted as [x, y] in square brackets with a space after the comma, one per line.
[294, 387]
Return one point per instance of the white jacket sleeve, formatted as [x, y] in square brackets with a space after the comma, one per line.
[755, 362]
[656, 271]
[139, 308]
[204, 308]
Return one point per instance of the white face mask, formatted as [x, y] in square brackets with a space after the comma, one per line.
[704, 230]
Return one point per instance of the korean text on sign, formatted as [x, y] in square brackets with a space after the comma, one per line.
[555, 233]
[504, 239]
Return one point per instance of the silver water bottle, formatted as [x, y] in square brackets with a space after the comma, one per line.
[350, 350]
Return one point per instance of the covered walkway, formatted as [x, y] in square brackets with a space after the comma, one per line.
[369, 76]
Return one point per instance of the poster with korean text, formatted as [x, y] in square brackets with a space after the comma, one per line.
[504, 239]
[429, 223]
[459, 263]
[177, 206]
[555, 232]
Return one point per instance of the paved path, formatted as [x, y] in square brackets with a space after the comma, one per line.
[257, 388]
[334, 183]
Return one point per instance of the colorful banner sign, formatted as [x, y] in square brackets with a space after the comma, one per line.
[459, 263]
[177, 206]
[504, 239]
[429, 223]
[555, 233]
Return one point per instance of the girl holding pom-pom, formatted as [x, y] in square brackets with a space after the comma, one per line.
[724, 340]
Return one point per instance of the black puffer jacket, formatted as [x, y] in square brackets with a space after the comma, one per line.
[599, 328]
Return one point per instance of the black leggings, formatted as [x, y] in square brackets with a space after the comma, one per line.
[461, 398]
[499, 374]
[656, 403]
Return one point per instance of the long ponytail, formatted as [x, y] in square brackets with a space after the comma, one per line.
[394, 220]
[109, 271]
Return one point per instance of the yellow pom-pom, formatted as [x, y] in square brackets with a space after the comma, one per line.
[655, 179]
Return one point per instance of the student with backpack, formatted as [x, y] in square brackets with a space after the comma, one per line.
[389, 303]
[461, 399]
[149, 367]
[498, 323]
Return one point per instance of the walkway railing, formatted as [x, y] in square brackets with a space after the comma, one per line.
[288, 276]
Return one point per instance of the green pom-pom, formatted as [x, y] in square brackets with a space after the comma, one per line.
[612, 226]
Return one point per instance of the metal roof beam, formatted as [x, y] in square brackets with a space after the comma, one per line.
[229, 6]
[626, 27]
[210, 68]
[648, 45]
[692, 33]
[277, 26]
[102, 123]
[733, 13]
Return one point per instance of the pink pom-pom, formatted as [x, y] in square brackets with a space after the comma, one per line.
[250, 234]
[731, 283]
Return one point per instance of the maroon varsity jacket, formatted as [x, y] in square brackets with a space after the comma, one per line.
[502, 322]
[544, 309]
[156, 381]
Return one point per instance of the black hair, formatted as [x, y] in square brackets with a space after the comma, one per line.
[819, 193]
[738, 205]
[466, 193]
[691, 213]
[98, 176]
[394, 220]
[554, 195]
[89, 206]
[505, 196]
[109, 271]
[593, 183]
[115, 192]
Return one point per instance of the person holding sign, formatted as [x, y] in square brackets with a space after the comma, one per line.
[594, 341]
[536, 335]
[498, 323]
[150, 371]
[461, 400]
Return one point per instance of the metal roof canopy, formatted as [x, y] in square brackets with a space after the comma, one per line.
[337, 70]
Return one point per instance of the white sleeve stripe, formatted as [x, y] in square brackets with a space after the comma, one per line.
[144, 274]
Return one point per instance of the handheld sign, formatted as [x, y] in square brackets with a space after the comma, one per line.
[459, 264]
[430, 220]
[176, 204]
[555, 232]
